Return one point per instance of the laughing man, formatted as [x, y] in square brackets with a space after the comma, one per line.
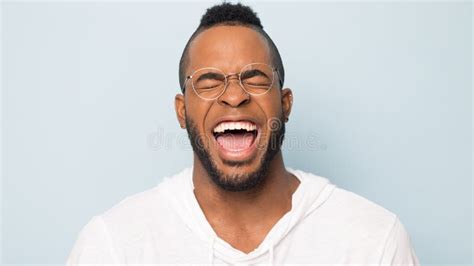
[239, 204]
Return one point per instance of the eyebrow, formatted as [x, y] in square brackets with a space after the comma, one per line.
[210, 75]
[252, 73]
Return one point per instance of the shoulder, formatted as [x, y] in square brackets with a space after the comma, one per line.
[373, 227]
[356, 205]
[153, 199]
[152, 209]
[349, 214]
[130, 225]
[340, 201]
[363, 224]
[361, 217]
[359, 227]
[137, 206]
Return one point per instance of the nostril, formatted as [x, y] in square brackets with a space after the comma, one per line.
[234, 98]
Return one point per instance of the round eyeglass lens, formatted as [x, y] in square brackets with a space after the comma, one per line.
[209, 83]
[257, 78]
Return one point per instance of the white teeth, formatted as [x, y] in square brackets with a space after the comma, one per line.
[234, 126]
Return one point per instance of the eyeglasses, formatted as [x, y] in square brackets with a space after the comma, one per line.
[209, 83]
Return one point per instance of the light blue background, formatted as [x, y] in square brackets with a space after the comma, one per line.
[383, 95]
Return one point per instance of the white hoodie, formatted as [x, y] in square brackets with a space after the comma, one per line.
[165, 225]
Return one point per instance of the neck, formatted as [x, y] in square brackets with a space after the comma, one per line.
[267, 202]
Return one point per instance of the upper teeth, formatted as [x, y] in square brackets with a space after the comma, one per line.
[234, 126]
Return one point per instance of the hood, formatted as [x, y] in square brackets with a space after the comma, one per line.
[310, 194]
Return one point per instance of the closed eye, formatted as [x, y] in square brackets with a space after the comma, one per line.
[253, 73]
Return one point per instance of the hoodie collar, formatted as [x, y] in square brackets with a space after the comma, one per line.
[304, 201]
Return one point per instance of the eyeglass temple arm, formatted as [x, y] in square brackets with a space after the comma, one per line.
[279, 79]
[184, 84]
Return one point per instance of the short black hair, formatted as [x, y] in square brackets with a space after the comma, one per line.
[231, 15]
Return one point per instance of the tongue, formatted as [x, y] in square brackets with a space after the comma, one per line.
[235, 142]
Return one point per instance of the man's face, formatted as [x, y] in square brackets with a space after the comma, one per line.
[237, 159]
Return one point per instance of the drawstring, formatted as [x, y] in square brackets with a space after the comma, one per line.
[211, 251]
[271, 255]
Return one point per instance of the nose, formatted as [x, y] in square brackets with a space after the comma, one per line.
[234, 95]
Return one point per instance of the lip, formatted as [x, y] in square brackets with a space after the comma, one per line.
[240, 155]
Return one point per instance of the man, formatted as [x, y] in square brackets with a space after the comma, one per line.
[239, 203]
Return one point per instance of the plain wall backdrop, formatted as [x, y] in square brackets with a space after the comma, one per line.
[382, 107]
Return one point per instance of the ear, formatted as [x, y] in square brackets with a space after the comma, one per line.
[180, 108]
[286, 102]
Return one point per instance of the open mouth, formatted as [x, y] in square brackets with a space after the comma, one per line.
[235, 136]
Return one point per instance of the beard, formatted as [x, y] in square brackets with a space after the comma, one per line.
[236, 182]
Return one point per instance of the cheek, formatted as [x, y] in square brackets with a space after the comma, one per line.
[196, 111]
[271, 106]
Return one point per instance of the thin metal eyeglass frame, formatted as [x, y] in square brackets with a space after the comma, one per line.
[274, 69]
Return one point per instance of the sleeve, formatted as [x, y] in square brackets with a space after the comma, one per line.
[398, 249]
[93, 246]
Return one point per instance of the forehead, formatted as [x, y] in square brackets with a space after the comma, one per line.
[228, 48]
